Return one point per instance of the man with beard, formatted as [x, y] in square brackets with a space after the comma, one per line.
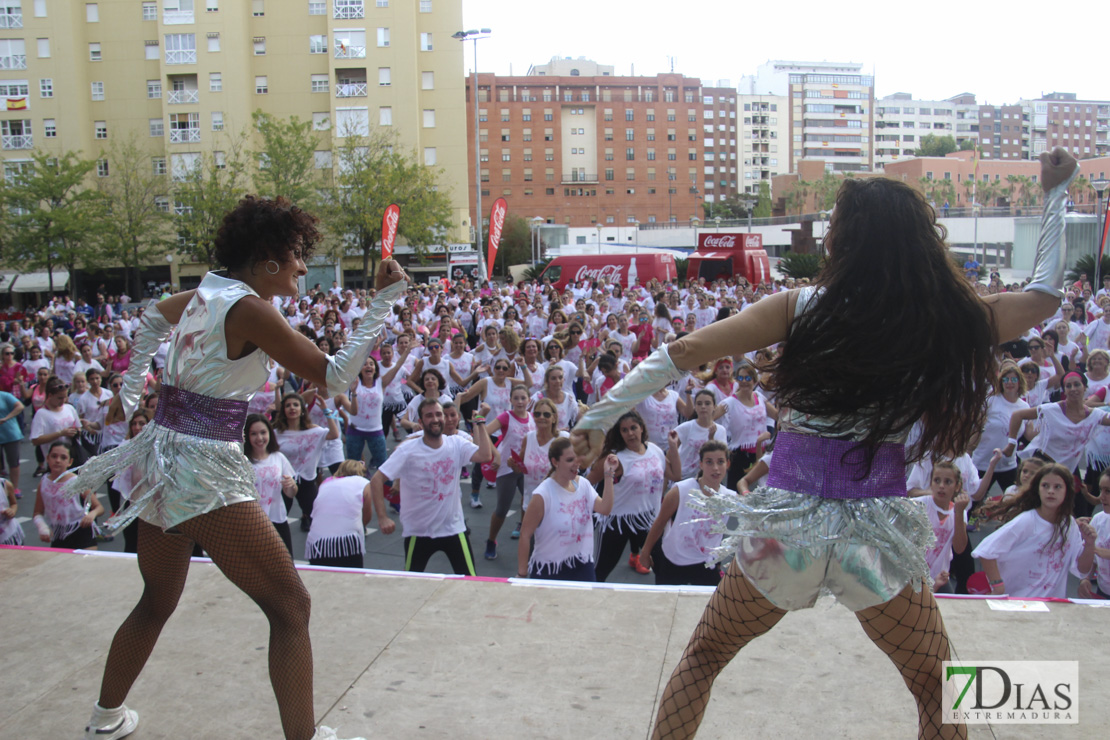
[431, 502]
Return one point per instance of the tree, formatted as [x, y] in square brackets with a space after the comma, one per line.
[1085, 266]
[371, 172]
[205, 190]
[797, 265]
[1080, 189]
[138, 228]
[939, 191]
[287, 159]
[826, 189]
[55, 219]
[763, 206]
[798, 196]
[967, 145]
[935, 146]
[731, 208]
[516, 243]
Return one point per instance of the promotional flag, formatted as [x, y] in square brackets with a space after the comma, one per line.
[496, 224]
[389, 229]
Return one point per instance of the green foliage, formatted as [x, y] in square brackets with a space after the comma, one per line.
[731, 208]
[967, 145]
[516, 243]
[797, 265]
[54, 220]
[289, 154]
[935, 146]
[1085, 265]
[763, 207]
[939, 191]
[681, 265]
[371, 172]
[534, 271]
[826, 189]
[138, 229]
[204, 194]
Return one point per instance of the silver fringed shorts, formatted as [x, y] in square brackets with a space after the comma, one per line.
[862, 548]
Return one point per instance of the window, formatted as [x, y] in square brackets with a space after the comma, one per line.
[548, 116]
[261, 85]
[97, 90]
[383, 77]
[217, 120]
[506, 157]
[429, 156]
[322, 159]
[101, 168]
[16, 134]
[630, 154]
[319, 83]
[49, 129]
[651, 154]
[162, 203]
[92, 13]
[157, 127]
[383, 3]
[383, 37]
[151, 50]
[214, 41]
[100, 129]
[259, 45]
[318, 44]
[427, 80]
[352, 122]
[385, 116]
[549, 155]
[212, 6]
[215, 82]
[258, 8]
[46, 87]
[94, 52]
[181, 48]
[425, 42]
[350, 9]
[317, 8]
[527, 156]
[425, 6]
[154, 89]
[429, 119]
[321, 121]
[158, 165]
[527, 135]
[150, 11]
[19, 57]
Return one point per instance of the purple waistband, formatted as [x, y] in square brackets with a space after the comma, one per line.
[832, 468]
[201, 416]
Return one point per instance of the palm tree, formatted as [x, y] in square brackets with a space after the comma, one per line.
[1011, 192]
[1080, 189]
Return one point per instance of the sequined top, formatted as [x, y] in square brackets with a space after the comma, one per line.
[197, 360]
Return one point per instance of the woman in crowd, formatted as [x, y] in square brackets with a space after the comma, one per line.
[303, 442]
[689, 437]
[66, 358]
[555, 391]
[512, 427]
[746, 414]
[1001, 406]
[534, 451]
[434, 386]
[343, 508]
[273, 475]
[64, 521]
[393, 397]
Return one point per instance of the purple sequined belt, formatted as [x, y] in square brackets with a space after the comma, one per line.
[201, 416]
[835, 468]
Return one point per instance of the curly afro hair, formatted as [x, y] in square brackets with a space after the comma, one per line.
[260, 229]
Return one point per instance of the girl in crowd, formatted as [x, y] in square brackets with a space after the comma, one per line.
[273, 474]
[121, 485]
[559, 519]
[302, 442]
[718, 380]
[66, 357]
[946, 506]
[746, 414]
[393, 397]
[120, 359]
[57, 420]
[11, 532]
[1032, 554]
[553, 353]
[364, 407]
[662, 411]
[493, 390]
[534, 450]
[1098, 585]
[681, 540]
[434, 387]
[63, 521]
[689, 436]
[636, 494]
[342, 510]
[1001, 406]
[530, 360]
[512, 426]
[555, 391]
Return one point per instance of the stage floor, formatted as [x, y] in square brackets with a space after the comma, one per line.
[439, 657]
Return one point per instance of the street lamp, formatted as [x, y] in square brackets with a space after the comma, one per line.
[717, 219]
[636, 235]
[537, 249]
[463, 36]
[599, 238]
[749, 204]
[1100, 186]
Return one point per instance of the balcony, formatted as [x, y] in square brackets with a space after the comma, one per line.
[345, 50]
[569, 177]
[177, 17]
[184, 135]
[351, 90]
[183, 56]
[11, 20]
[180, 97]
[14, 61]
[16, 141]
[348, 10]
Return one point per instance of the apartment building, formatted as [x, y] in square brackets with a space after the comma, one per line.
[185, 75]
[1061, 119]
[1004, 131]
[574, 144]
[765, 127]
[901, 122]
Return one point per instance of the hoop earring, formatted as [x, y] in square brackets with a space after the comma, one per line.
[276, 270]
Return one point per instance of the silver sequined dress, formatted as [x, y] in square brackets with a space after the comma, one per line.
[178, 476]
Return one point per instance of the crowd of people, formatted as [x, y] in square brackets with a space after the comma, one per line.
[529, 360]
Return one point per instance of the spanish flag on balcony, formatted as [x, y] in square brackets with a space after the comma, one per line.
[17, 104]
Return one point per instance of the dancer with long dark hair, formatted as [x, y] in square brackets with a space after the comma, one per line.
[834, 514]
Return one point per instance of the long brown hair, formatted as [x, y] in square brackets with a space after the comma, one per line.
[1029, 499]
[928, 351]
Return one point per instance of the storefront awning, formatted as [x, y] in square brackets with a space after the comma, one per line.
[6, 280]
[39, 282]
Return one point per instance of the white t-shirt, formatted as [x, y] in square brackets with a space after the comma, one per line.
[369, 416]
[49, 422]
[744, 423]
[337, 519]
[431, 500]
[659, 416]
[939, 557]
[565, 537]
[303, 448]
[691, 437]
[995, 433]
[639, 491]
[267, 481]
[1029, 565]
[689, 538]
[1101, 523]
[921, 475]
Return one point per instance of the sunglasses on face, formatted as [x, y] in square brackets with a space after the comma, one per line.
[501, 367]
[1030, 370]
[1010, 379]
[542, 414]
[744, 377]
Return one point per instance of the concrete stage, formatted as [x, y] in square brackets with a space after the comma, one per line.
[439, 657]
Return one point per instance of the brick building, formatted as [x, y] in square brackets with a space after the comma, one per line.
[574, 144]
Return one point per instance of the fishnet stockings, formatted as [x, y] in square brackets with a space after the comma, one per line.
[735, 615]
[244, 545]
[909, 629]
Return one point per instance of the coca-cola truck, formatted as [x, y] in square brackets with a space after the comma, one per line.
[729, 254]
[626, 269]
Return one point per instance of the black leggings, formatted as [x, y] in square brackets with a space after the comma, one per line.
[341, 561]
[286, 535]
[419, 550]
[669, 574]
[306, 496]
[612, 546]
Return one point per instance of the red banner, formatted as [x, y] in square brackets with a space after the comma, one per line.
[496, 224]
[389, 229]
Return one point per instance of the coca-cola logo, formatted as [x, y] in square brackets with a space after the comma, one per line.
[389, 229]
[497, 222]
[607, 272]
[720, 241]
[753, 241]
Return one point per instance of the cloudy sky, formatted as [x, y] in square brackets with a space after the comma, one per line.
[931, 50]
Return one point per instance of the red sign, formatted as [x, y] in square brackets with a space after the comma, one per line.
[496, 224]
[712, 240]
[390, 219]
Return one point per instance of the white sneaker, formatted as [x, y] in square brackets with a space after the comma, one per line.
[327, 733]
[109, 724]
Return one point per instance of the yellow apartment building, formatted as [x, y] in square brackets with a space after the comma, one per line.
[183, 75]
